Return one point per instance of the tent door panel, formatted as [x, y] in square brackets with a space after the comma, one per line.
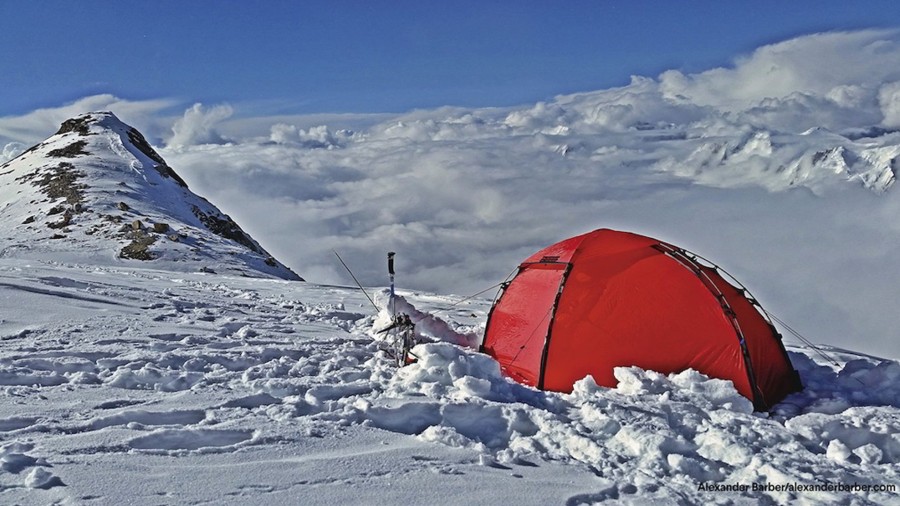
[520, 322]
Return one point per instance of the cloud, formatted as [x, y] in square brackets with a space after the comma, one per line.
[283, 134]
[889, 99]
[639, 105]
[838, 80]
[317, 137]
[320, 137]
[37, 125]
[11, 150]
[818, 65]
[198, 125]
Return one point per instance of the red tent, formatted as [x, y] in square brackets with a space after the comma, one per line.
[606, 299]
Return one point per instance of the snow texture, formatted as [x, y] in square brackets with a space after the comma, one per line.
[131, 385]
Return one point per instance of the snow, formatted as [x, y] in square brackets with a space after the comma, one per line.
[134, 385]
[85, 192]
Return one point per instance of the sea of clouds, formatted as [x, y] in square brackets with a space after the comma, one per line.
[732, 163]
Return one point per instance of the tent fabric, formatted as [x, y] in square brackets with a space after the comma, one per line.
[607, 299]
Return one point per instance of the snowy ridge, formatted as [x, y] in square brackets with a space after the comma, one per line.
[132, 385]
[757, 161]
[97, 193]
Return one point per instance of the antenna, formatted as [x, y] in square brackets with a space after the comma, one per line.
[357, 281]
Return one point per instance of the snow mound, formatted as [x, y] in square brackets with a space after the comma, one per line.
[685, 427]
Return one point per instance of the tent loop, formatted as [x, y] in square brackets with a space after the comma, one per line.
[460, 301]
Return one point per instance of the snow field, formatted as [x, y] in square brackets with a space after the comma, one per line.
[209, 388]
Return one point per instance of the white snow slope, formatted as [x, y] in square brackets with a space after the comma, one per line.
[123, 385]
[97, 192]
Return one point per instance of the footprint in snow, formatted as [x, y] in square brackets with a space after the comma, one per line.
[191, 439]
[146, 418]
[16, 423]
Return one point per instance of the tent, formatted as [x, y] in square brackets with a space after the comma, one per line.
[607, 299]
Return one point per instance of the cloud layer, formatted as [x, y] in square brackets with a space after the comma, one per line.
[38, 124]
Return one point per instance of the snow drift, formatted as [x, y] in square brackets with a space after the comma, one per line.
[127, 385]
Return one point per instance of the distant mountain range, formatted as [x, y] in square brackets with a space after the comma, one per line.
[97, 192]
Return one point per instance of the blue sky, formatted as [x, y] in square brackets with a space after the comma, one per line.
[364, 56]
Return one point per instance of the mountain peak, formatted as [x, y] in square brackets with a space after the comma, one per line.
[97, 191]
[81, 123]
[94, 123]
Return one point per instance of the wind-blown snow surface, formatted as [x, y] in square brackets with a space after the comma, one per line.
[129, 386]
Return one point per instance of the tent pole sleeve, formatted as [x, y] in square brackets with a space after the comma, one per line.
[545, 351]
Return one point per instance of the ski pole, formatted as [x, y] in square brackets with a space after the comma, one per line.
[390, 258]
